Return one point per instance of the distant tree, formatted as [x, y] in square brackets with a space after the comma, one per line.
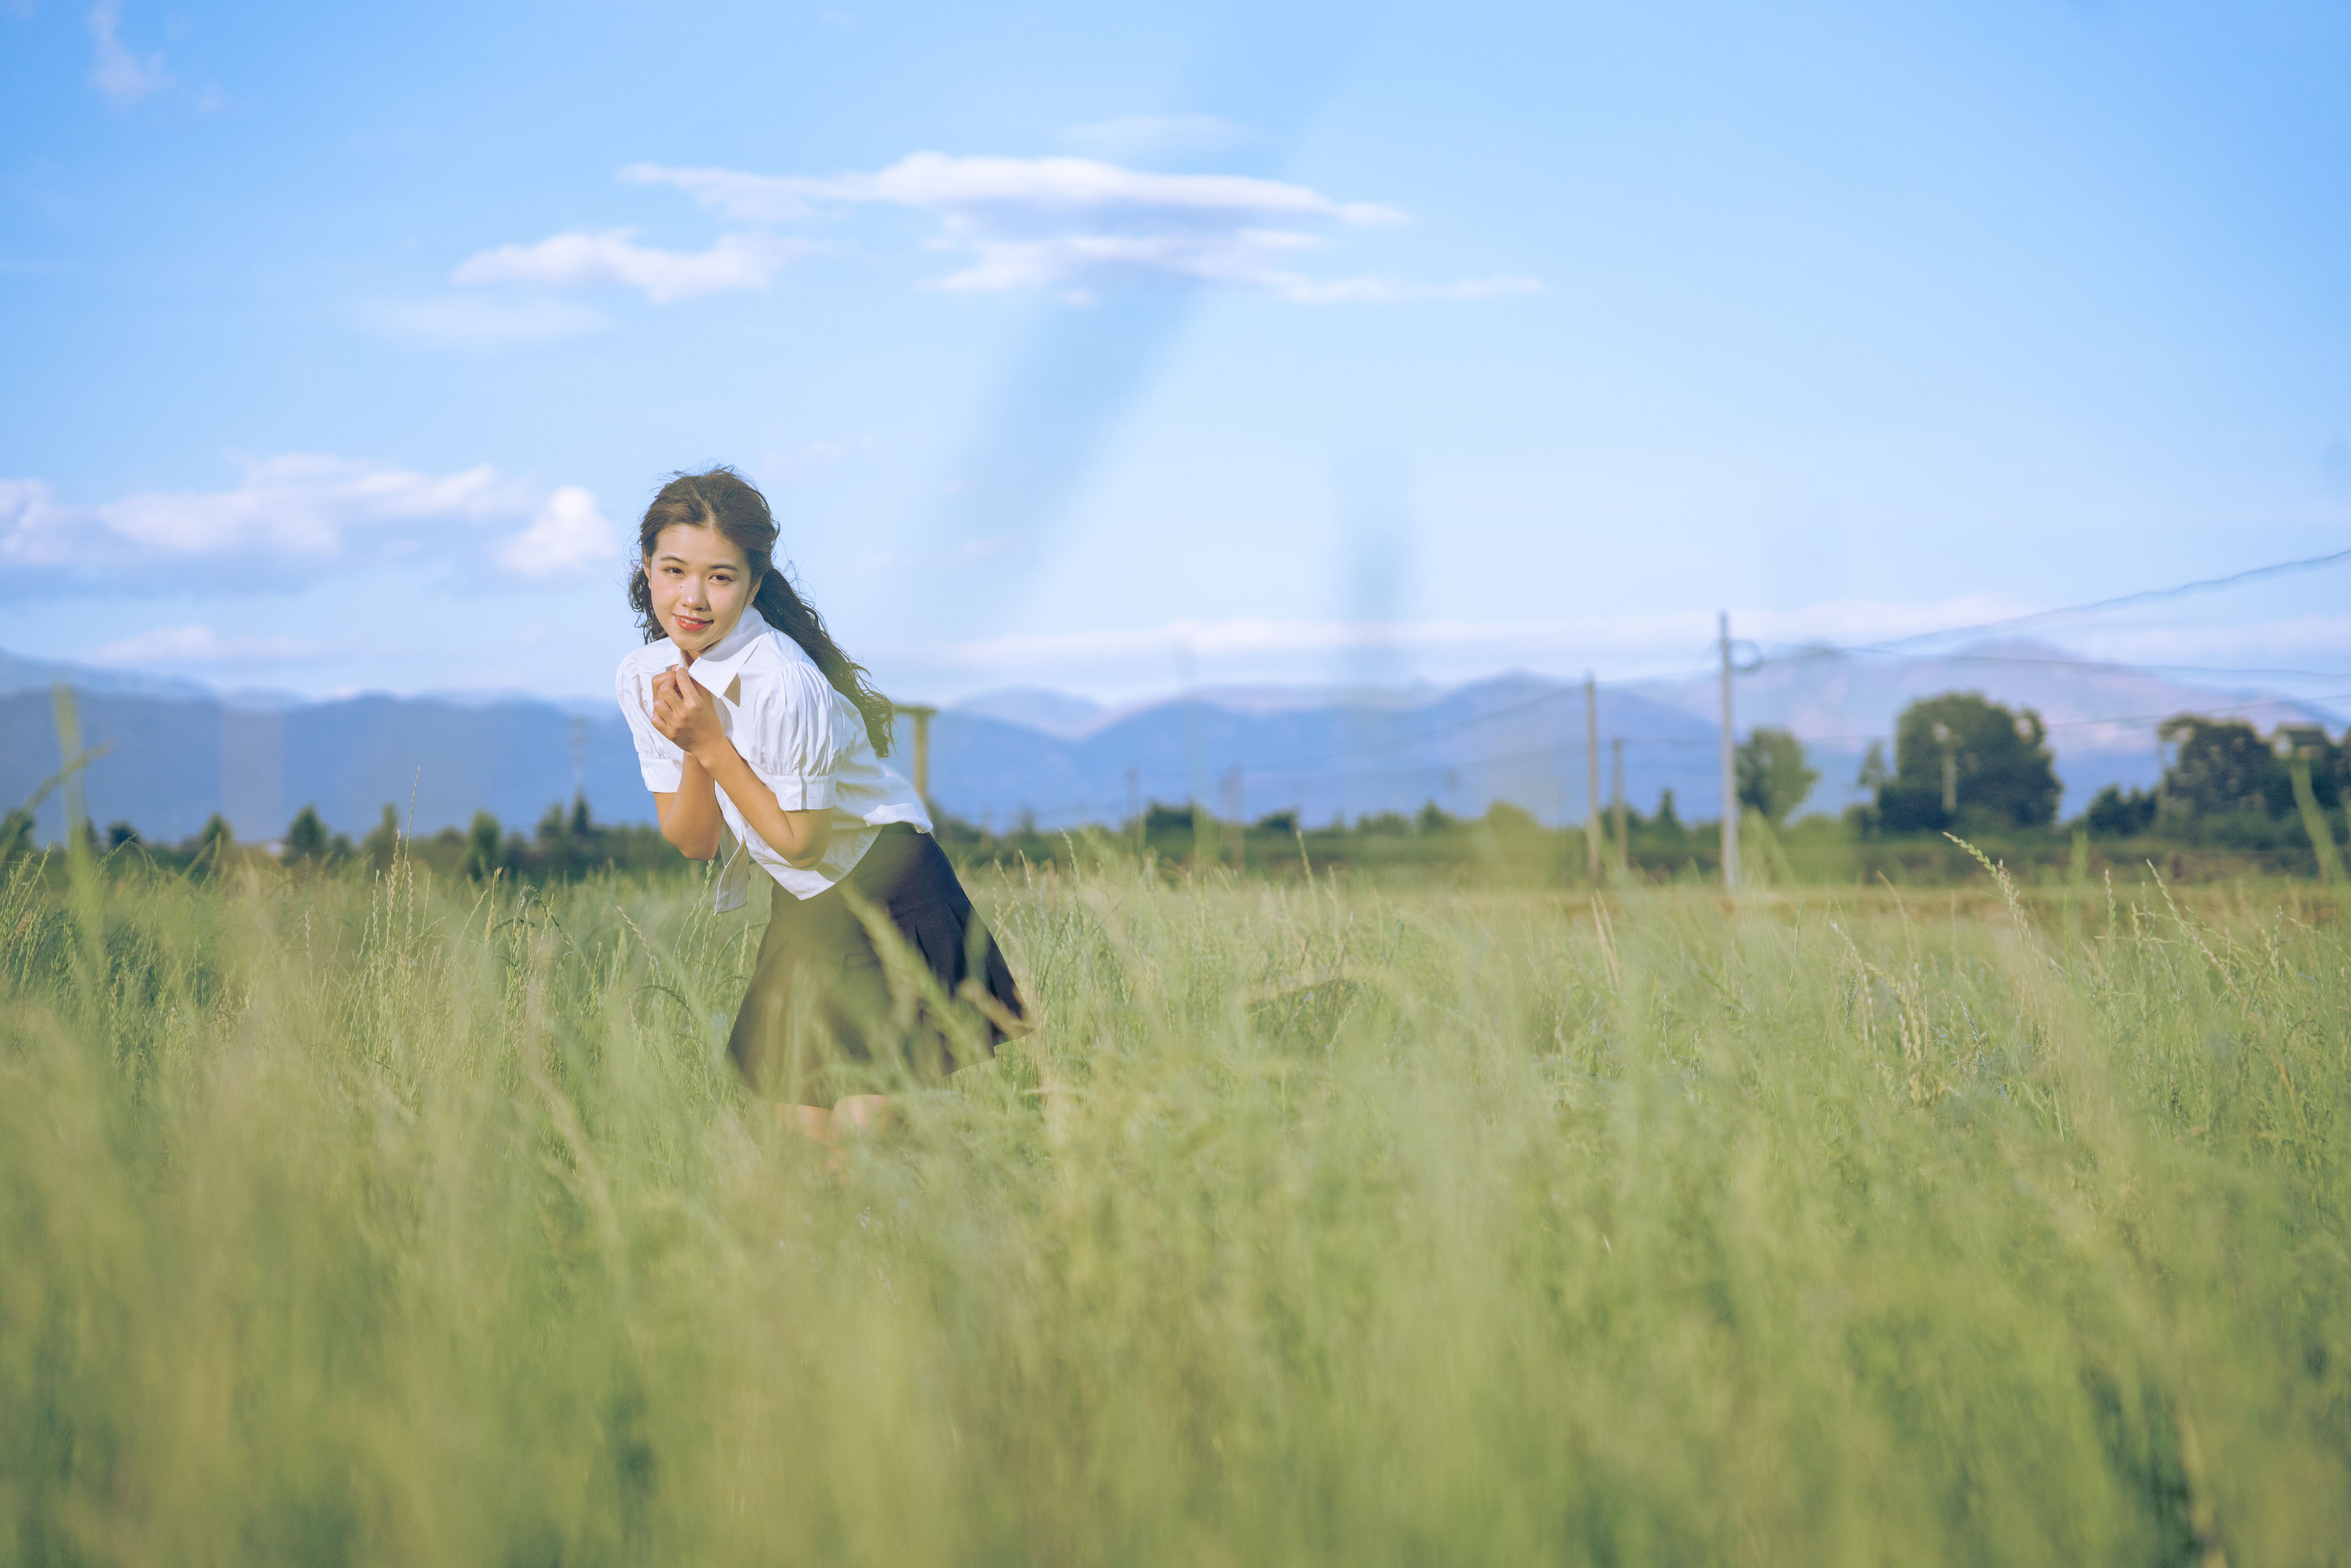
[1875, 774]
[2114, 814]
[119, 834]
[210, 846]
[2222, 766]
[306, 838]
[1500, 816]
[1873, 781]
[1282, 822]
[1773, 777]
[2330, 761]
[1388, 823]
[1433, 819]
[1158, 819]
[1667, 821]
[553, 845]
[485, 847]
[1960, 758]
[383, 842]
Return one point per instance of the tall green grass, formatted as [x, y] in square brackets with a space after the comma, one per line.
[387, 1222]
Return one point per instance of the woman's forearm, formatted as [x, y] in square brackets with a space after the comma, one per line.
[799, 837]
[689, 819]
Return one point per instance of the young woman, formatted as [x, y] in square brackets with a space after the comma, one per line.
[763, 743]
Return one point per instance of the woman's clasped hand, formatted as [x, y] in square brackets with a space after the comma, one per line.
[684, 712]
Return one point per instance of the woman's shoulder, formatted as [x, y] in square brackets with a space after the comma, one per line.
[789, 682]
[641, 664]
[783, 663]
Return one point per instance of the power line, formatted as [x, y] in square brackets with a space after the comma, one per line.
[2208, 669]
[2121, 601]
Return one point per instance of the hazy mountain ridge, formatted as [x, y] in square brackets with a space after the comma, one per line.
[179, 753]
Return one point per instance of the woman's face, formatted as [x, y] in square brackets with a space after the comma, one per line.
[701, 585]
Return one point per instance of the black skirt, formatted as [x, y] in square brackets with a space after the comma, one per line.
[829, 1013]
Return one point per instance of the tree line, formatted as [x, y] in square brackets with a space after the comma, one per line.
[1961, 764]
[565, 844]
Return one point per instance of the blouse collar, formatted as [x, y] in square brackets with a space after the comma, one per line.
[718, 667]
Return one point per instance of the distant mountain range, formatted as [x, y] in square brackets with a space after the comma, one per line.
[178, 751]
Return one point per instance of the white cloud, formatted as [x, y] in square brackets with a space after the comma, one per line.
[973, 186]
[574, 260]
[114, 70]
[1079, 224]
[1143, 137]
[1069, 225]
[291, 519]
[201, 646]
[473, 321]
[567, 535]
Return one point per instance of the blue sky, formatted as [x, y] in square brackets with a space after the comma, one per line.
[1105, 348]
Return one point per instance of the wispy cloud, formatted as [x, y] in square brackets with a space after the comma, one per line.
[1075, 225]
[201, 647]
[291, 519]
[477, 321]
[574, 260]
[971, 187]
[123, 77]
[2320, 642]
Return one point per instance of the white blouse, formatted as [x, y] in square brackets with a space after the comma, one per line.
[804, 740]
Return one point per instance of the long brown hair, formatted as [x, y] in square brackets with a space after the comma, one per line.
[723, 499]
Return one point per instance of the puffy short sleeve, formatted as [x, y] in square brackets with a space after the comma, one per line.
[658, 758]
[799, 737]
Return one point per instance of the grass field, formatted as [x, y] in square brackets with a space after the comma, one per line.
[385, 1221]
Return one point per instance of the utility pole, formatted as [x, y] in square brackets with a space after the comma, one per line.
[1616, 796]
[1592, 772]
[69, 760]
[1240, 824]
[922, 716]
[579, 757]
[1729, 772]
[1950, 770]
